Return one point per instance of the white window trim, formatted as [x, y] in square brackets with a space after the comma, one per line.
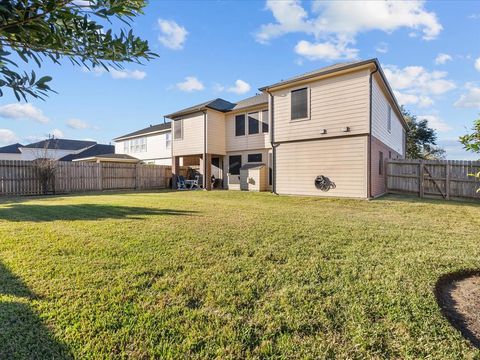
[245, 121]
[267, 122]
[259, 121]
[173, 130]
[309, 105]
[255, 153]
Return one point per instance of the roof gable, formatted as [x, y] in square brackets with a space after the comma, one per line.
[11, 149]
[61, 144]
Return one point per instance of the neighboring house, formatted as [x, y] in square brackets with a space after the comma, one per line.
[109, 158]
[328, 132]
[58, 149]
[11, 152]
[152, 145]
[95, 150]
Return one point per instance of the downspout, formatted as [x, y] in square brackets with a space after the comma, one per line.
[204, 149]
[369, 147]
[272, 143]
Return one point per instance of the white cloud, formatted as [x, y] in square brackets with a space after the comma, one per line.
[382, 48]
[77, 124]
[116, 74]
[172, 35]
[190, 84]
[435, 122]
[337, 23]
[442, 59]
[128, 74]
[23, 111]
[416, 85]
[57, 133]
[474, 16]
[477, 64]
[241, 87]
[411, 99]
[325, 51]
[471, 99]
[7, 137]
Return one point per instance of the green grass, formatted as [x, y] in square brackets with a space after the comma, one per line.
[230, 275]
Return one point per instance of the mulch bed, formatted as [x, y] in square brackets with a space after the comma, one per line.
[459, 298]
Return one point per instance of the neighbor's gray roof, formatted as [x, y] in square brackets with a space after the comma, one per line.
[321, 71]
[116, 156]
[11, 149]
[147, 130]
[61, 144]
[95, 150]
[215, 104]
[251, 101]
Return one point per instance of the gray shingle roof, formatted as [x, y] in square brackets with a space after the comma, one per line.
[61, 144]
[147, 130]
[251, 101]
[215, 104]
[95, 150]
[11, 149]
[321, 71]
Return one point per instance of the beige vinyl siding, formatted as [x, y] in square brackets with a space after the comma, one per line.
[246, 142]
[380, 103]
[335, 103]
[215, 133]
[192, 140]
[342, 160]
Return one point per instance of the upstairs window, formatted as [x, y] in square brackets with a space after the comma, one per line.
[168, 140]
[240, 125]
[254, 158]
[299, 104]
[178, 130]
[389, 119]
[125, 147]
[234, 164]
[253, 123]
[265, 121]
[143, 144]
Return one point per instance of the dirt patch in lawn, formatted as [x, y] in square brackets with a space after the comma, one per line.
[459, 298]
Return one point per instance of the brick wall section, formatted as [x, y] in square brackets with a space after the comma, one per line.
[378, 186]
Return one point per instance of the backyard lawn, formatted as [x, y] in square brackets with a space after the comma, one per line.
[230, 275]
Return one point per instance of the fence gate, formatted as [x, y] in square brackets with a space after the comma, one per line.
[434, 178]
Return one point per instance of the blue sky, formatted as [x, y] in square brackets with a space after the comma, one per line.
[429, 50]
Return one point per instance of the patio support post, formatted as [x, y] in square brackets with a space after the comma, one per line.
[207, 183]
[175, 171]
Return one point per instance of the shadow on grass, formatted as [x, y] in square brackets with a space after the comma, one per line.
[444, 289]
[22, 333]
[42, 213]
[414, 199]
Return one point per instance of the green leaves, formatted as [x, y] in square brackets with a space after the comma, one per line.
[471, 142]
[36, 30]
[421, 139]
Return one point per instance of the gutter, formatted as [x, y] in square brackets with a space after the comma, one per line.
[369, 147]
[272, 142]
[204, 149]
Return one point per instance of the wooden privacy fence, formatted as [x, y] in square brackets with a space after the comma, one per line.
[22, 177]
[446, 179]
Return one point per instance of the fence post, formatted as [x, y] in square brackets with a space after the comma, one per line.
[421, 190]
[447, 179]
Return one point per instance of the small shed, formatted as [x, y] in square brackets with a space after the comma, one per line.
[110, 158]
[254, 177]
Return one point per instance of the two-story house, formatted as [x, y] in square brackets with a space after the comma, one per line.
[327, 132]
[152, 144]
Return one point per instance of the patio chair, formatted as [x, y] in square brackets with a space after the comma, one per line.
[195, 185]
[181, 183]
